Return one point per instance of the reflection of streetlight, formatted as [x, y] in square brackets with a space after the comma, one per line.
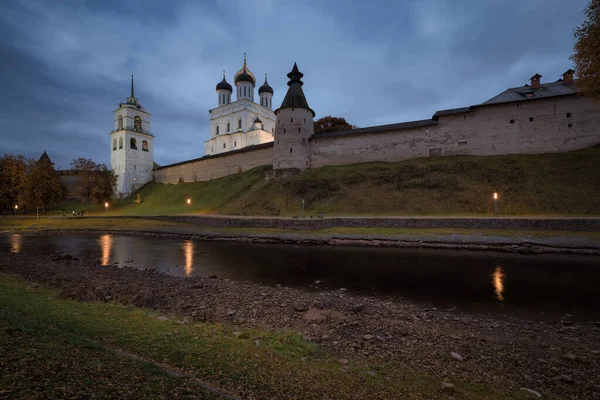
[498, 281]
[16, 209]
[495, 204]
[106, 207]
[189, 201]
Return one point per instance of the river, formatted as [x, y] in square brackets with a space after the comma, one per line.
[501, 281]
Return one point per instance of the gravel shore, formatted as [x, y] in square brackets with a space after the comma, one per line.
[559, 356]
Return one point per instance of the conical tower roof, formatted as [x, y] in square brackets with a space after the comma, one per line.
[45, 157]
[295, 95]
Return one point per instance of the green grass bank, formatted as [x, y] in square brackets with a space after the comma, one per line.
[55, 347]
[528, 185]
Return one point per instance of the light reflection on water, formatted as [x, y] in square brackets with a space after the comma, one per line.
[188, 250]
[106, 247]
[498, 280]
[16, 241]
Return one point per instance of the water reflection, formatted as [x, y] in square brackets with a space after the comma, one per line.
[106, 246]
[188, 251]
[16, 241]
[498, 281]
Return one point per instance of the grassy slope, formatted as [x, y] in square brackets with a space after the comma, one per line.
[61, 348]
[549, 184]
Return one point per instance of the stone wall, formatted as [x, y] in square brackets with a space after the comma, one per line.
[217, 166]
[541, 126]
[571, 224]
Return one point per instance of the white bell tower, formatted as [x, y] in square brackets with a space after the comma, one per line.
[131, 146]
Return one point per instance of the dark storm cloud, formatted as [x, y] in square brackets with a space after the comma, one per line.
[66, 63]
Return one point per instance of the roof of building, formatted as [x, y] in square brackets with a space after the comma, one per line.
[295, 95]
[452, 111]
[257, 120]
[377, 129]
[551, 89]
[265, 88]
[45, 157]
[224, 85]
[244, 74]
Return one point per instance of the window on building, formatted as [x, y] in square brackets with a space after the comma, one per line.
[144, 145]
[262, 126]
[234, 143]
[224, 145]
[283, 130]
[570, 125]
[568, 115]
[244, 90]
[133, 144]
[120, 123]
[120, 142]
[530, 119]
[512, 121]
[292, 119]
[290, 149]
[240, 123]
[228, 126]
[137, 124]
[114, 144]
[298, 130]
[217, 130]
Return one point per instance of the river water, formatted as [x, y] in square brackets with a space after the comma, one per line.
[492, 280]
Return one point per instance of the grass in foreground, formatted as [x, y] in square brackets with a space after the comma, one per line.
[55, 347]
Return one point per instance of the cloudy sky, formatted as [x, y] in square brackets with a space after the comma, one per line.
[66, 63]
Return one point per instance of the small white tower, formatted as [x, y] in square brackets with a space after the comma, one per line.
[293, 128]
[245, 82]
[266, 94]
[132, 146]
[224, 91]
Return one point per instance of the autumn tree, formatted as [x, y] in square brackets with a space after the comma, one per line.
[96, 183]
[13, 173]
[332, 124]
[587, 51]
[43, 186]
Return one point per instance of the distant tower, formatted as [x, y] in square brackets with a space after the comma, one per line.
[244, 82]
[224, 91]
[132, 145]
[266, 94]
[293, 128]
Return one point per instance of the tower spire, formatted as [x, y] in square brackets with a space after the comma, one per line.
[132, 91]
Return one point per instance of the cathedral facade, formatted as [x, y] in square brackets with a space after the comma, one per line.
[243, 122]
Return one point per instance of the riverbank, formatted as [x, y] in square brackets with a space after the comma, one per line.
[267, 230]
[347, 346]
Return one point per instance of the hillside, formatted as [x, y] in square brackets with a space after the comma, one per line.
[549, 184]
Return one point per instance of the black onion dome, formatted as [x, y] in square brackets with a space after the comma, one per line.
[257, 120]
[224, 85]
[244, 75]
[265, 88]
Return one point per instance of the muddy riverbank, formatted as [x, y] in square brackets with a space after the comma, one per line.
[560, 356]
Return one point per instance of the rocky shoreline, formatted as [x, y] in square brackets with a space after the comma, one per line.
[560, 356]
[473, 241]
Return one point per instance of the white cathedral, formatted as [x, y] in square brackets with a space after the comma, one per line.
[233, 126]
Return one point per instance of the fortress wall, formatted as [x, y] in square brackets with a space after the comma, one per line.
[204, 169]
[487, 130]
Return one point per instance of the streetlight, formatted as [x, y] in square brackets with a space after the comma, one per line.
[188, 201]
[106, 207]
[16, 209]
[495, 204]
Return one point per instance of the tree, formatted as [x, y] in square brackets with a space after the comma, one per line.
[587, 51]
[13, 173]
[43, 186]
[332, 124]
[96, 182]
